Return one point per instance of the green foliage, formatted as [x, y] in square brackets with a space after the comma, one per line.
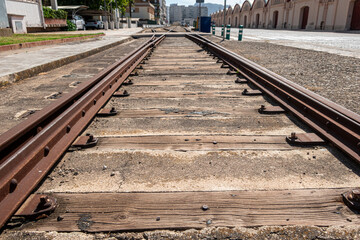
[50, 13]
[70, 26]
[22, 38]
[96, 4]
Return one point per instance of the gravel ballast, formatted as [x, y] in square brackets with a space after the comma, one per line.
[332, 76]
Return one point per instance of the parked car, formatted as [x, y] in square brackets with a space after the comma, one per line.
[94, 24]
[79, 22]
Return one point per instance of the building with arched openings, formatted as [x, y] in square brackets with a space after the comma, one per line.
[330, 15]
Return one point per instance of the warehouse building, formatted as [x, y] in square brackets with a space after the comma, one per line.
[331, 15]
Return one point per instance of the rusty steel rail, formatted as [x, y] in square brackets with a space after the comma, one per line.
[334, 123]
[28, 151]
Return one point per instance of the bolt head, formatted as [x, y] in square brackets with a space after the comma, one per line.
[204, 207]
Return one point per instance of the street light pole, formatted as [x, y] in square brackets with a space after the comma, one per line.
[199, 16]
[224, 19]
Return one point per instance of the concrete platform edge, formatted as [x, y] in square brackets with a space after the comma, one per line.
[18, 76]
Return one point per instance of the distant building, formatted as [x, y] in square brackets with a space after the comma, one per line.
[178, 13]
[338, 15]
[193, 12]
[163, 12]
[142, 9]
[160, 10]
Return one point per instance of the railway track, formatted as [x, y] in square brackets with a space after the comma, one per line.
[170, 139]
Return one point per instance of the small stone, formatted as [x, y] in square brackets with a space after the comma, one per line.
[208, 222]
[104, 167]
[157, 218]
[59, 218]
[112, 174]
[214, 142]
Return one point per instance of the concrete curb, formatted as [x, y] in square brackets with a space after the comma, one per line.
[46, 42]
[15, 77]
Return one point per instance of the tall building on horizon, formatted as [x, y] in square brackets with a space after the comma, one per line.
[180, 12]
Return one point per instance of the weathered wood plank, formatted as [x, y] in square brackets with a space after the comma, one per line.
[183, 82]
[173, 112]
[94, 212]
[202, 94]
[173, 142]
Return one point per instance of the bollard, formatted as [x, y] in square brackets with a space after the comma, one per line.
[228, 27]
[213, 29]
[241, 28]
[222, 30]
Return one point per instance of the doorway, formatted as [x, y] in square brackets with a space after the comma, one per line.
[275, 19]
[304, 15]
[245, 19]
[355, 20]
[257, 21]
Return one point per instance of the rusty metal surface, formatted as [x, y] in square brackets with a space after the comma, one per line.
[29, 151]
[352, 199]
[333, 122]
[37, 206]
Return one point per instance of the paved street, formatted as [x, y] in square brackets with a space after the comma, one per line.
[345, 44]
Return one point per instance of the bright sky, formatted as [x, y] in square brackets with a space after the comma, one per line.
[192, 2]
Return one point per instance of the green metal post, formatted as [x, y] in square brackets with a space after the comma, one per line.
[222, 30]
[241, 28]
[213, 29]
[228, 27]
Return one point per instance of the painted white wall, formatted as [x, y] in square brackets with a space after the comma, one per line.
[30, 11]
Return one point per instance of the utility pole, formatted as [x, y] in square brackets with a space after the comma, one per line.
[199, 14]
[224, 19]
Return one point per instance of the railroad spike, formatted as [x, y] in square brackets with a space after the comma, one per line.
[352, 199]
[37, 206]
[105, 112]
[134, 73]
[128, 82]
[301, 139]
[270, 109]
[86, 141]
[251, 92]
[241, 80]
[231, 72]
[123, 94]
